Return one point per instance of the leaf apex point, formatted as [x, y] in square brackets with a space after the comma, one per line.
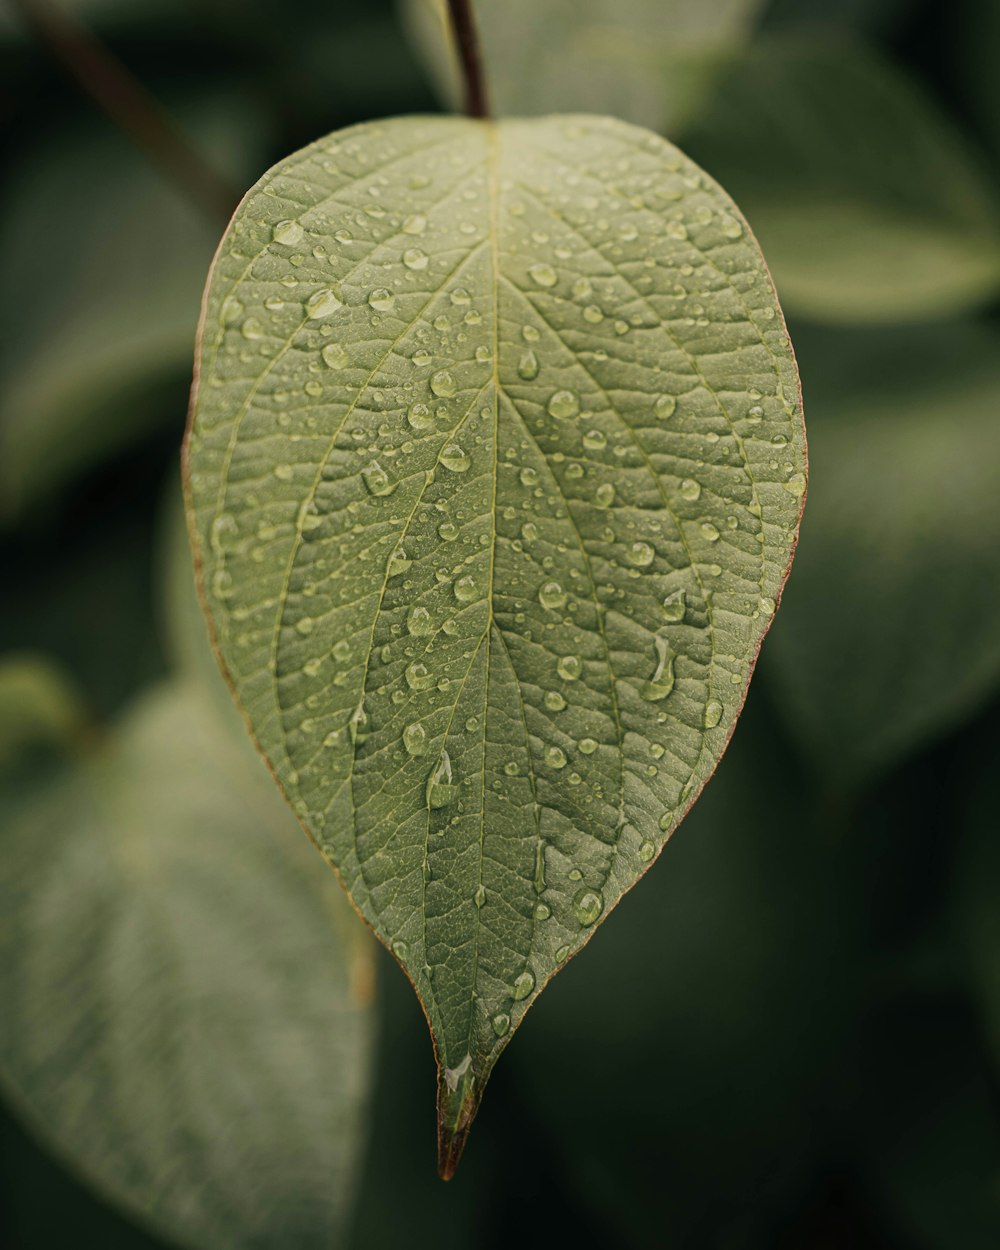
[451, 1143]
[456, 1113]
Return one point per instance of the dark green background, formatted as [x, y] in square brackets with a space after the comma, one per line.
[788, 1037]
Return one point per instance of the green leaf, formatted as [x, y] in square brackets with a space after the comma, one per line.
[117, 16]
[927, 1130]
[869, 205]
[97, 355]
[820, 17]
[92, 350]
[81, 595]
[651, 62]
[892, 633]
[973, 1200]
[974, 903]
[976, 34]
[495, 471]
[39, 706]
[182, 622]
[186, 996]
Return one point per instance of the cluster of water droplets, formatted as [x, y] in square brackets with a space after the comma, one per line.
[651, 557]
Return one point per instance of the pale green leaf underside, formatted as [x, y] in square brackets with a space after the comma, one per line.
[186, 1002]
[495, 471]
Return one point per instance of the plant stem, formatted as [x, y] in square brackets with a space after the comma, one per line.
[128, 104]
[467, 41]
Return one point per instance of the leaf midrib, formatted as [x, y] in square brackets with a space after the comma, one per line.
[492, 162]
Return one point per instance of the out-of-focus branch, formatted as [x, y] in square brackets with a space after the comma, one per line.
[469, 54]
[128, 104]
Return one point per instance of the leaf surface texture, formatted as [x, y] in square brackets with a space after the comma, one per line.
[495, 470]
[187, 1014]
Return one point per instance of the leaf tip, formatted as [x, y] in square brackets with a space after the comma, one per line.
[458, 1102]
[451, 1143]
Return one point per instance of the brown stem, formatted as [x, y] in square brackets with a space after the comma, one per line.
[467, 40]
[128, 104]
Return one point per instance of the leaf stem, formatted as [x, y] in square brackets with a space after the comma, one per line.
[470, 57]
[128, 104]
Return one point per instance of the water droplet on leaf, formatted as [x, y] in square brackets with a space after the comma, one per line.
[466, 589]
[322, 303]
[523, 986]
[588, 905]
[289, 232]
[382, 299]
[664, 406]
[453, 457]
[418, 676]
[690, 489]
[662, 681]
[527, 367]
[440, 788]
[443, 384]
[335, 356]
[419, 416]
[543, 275]
[796, 485]
[569, 667]
[377, 480]
[564, 405]
[551, 595]
[713, 713]
[675, 606]
[357, 723]
[415, 739]
[419, 621]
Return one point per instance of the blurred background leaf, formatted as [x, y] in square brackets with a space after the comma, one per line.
[973, 42]
[869, 205]
[100, 329]
[187, 998]
[40, 707]
[648, 61]
[890, 630]
[821, 17]
[930, 1138]
[103, 15]
[975, 914]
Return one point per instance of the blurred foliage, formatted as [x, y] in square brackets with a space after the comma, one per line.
[651, 62]
[39, 708]
[891, 633]
[95, 364]
[868, 204]
[184, 986]
[789, 1039]
[222, 989]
